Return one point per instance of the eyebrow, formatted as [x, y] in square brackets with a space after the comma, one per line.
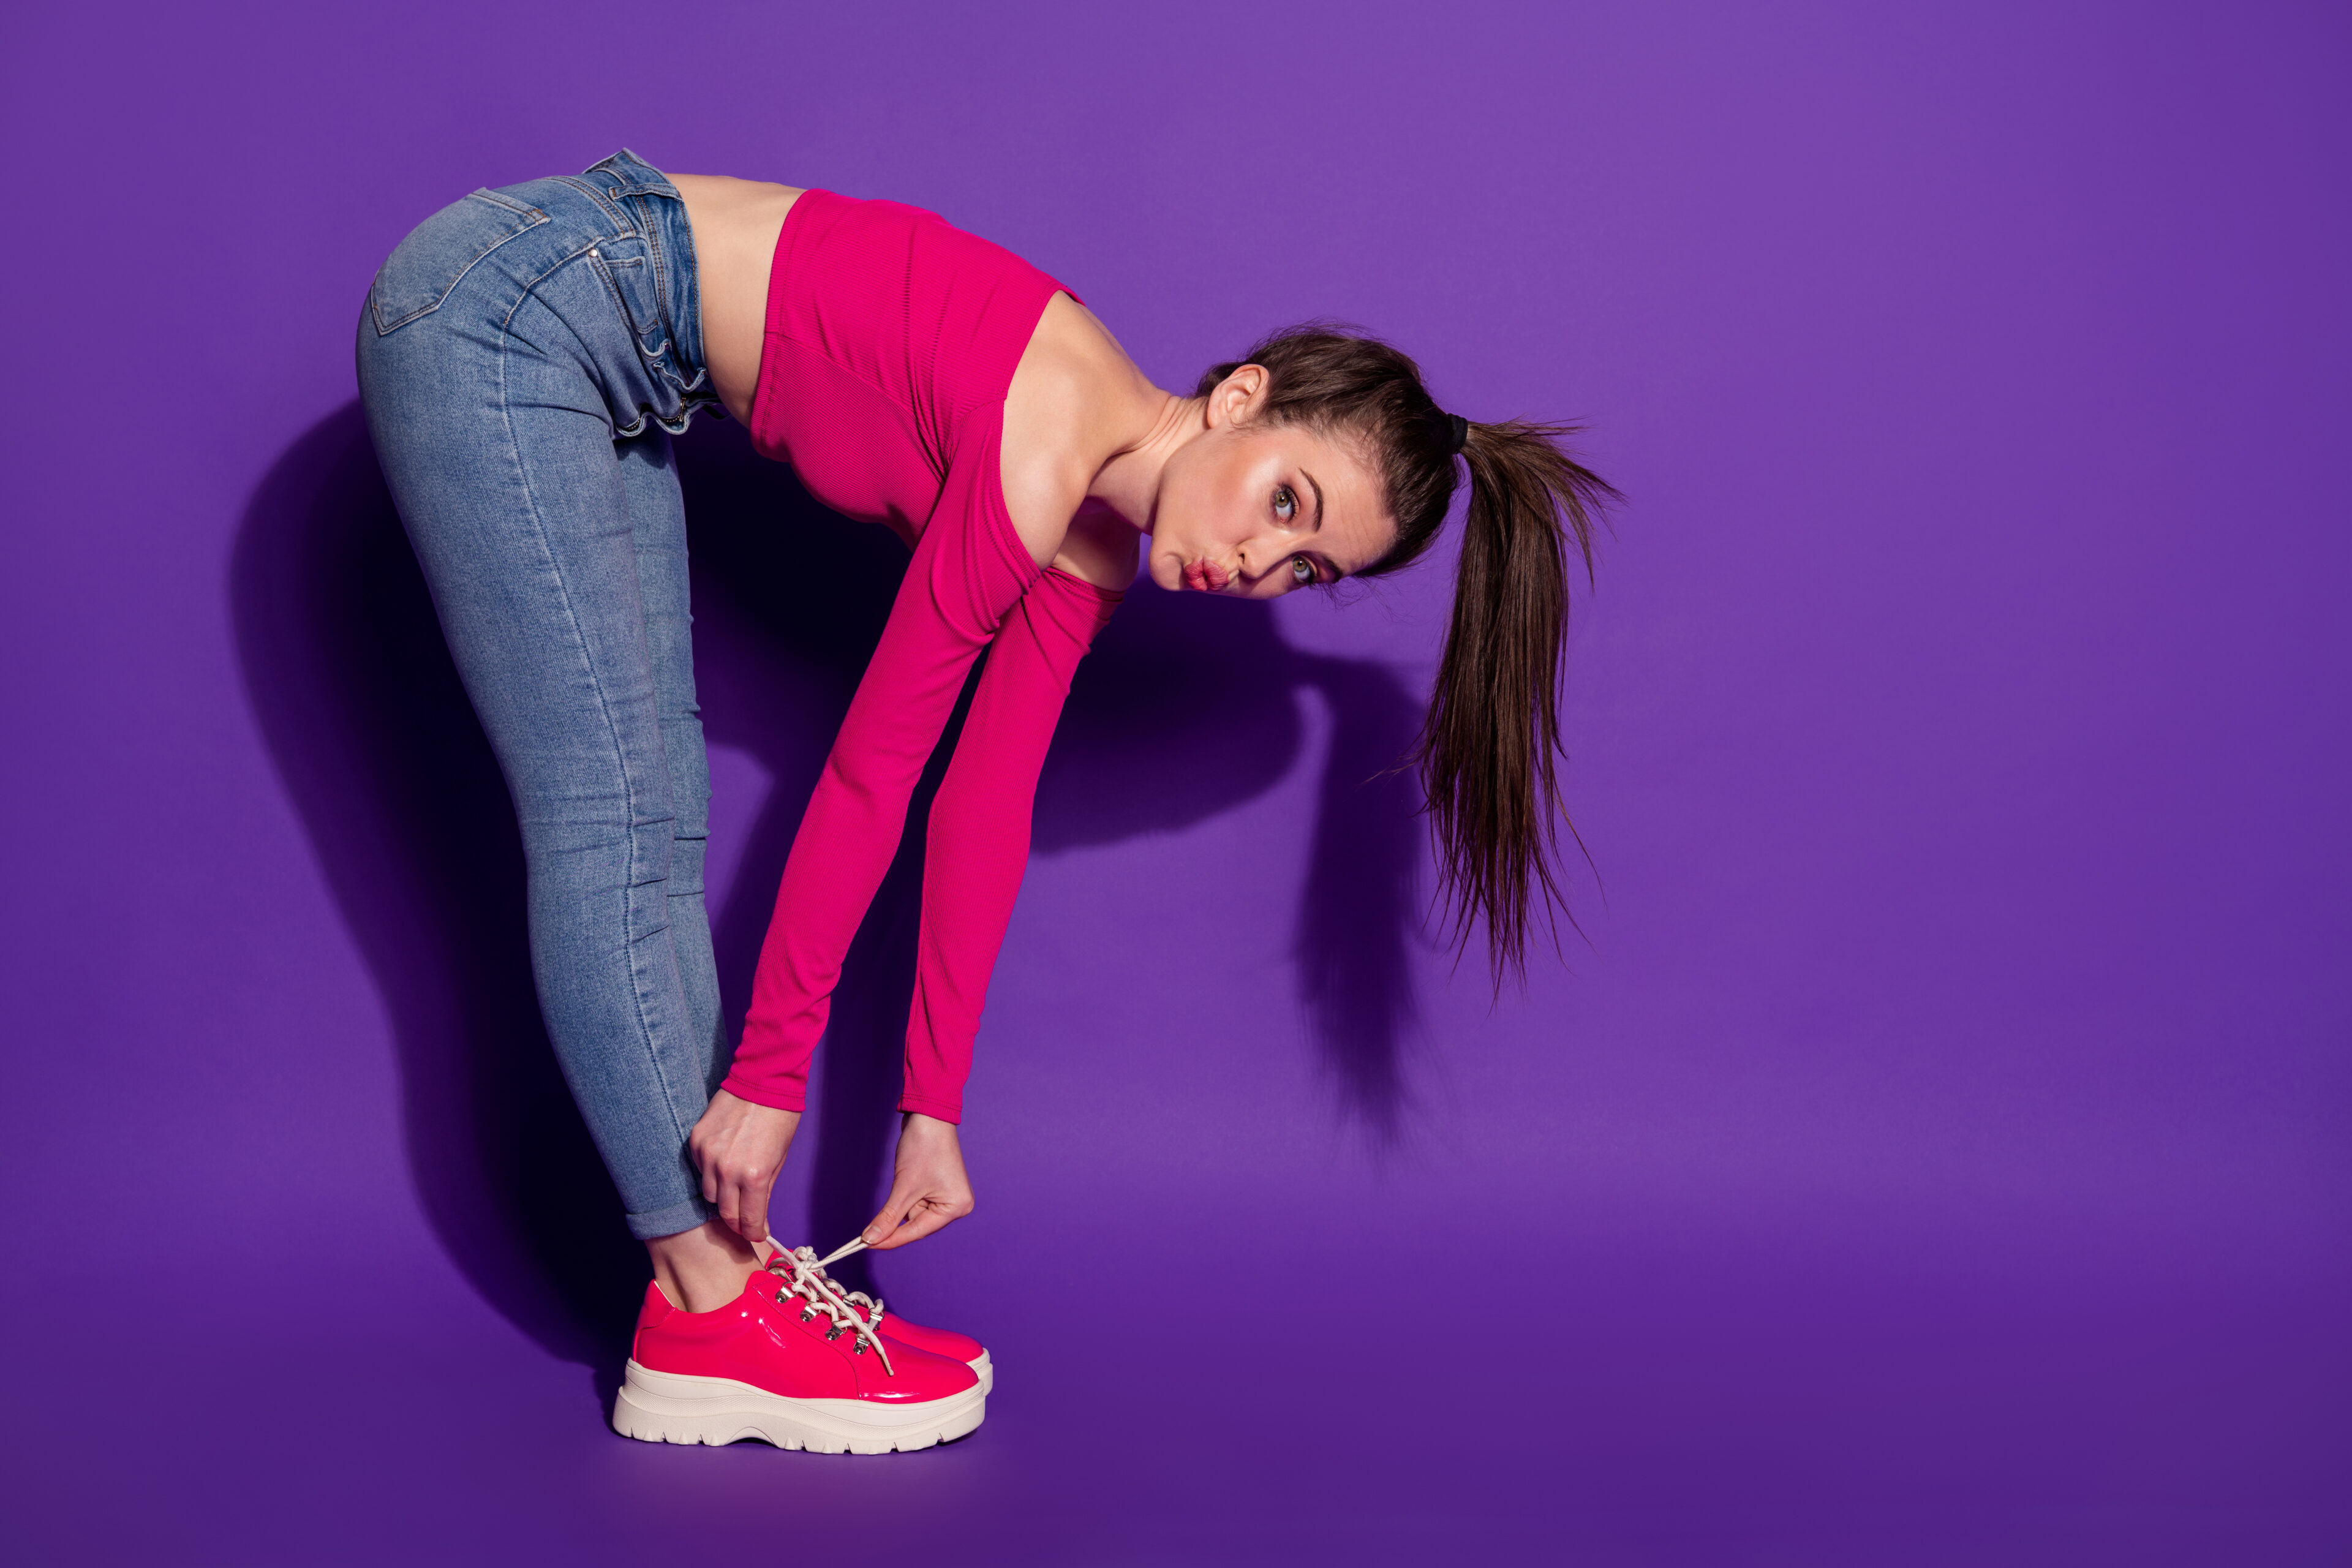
[1318, 498]
[1317, 489]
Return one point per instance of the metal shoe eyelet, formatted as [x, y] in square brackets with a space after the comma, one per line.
[833, 1336]
[780, 1295]
[806, 1313]
[857, 1349]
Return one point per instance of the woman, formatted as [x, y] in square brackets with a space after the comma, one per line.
[524, 356]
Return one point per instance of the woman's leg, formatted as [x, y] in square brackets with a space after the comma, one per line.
[495, 430]
[657, 533]
[700, 1268]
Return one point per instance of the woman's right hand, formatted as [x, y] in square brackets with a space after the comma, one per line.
[739, 1148]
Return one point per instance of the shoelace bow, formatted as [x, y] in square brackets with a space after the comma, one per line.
[804, 1274]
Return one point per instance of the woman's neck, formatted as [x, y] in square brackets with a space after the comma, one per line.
[1127, 485]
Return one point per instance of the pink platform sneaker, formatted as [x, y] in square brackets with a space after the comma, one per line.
[802, 1264]
[791, 1363]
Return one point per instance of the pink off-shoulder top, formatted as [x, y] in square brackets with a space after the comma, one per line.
[891, 340]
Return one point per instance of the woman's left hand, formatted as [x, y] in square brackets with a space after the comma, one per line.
[929, 1187]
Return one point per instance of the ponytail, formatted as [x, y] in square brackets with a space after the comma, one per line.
[1488, 746]
[1488, 749]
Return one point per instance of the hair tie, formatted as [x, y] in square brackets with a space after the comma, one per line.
[1457, 433]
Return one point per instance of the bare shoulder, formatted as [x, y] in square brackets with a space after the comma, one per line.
[1072, 373]
[1076, 398]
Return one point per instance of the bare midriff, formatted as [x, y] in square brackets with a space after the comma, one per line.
[735, 225]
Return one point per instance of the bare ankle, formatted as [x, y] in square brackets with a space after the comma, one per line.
[702, 1269]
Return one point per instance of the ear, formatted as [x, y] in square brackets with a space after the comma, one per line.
[1237, 399]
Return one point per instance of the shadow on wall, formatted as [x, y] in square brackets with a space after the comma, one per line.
[1183, 711]
[411, 822]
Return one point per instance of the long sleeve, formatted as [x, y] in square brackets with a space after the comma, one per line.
[978, 842]
[969, 571]
[892, 338]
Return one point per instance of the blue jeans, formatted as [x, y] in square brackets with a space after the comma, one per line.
[524, 356]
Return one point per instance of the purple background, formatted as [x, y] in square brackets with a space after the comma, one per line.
[1936, 1156]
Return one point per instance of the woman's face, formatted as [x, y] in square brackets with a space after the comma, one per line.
[1254, 510]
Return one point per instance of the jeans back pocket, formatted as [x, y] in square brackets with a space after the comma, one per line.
[422, 269]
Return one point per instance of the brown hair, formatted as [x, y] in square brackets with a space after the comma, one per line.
[1487, 747]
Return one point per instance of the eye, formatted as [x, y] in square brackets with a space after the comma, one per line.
[1286, 502]
[1302, 570]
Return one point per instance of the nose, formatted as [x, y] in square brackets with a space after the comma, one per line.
[1260, 558]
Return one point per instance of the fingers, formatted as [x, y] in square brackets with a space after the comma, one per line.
[885, 1224]
[739, 1148]
[731, 1208]
[913, 1214]
[927, 1219]
[743, 1189]
[754, 1199]
[737, 1187]
[702, 1146]
[705, 1163]
[930, 1189]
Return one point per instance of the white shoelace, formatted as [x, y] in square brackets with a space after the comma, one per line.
[809, 1281]
[872, 1304]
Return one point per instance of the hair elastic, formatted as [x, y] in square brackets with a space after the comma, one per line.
[1459, 436]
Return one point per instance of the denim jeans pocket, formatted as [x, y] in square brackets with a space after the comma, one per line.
[630, 280]
[440, 251]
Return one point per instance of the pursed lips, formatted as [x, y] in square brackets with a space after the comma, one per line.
[1205, 576]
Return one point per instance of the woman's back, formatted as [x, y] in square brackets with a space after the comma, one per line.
[735, 224]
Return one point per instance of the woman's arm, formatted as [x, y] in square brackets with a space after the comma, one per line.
[977, 844]
[997, 523]
[975, 849]
[964, 578]
[970, 569]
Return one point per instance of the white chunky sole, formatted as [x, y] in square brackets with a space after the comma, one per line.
[674, 1407]
[987, 1370]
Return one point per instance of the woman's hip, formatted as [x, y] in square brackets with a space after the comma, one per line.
[587, 277]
